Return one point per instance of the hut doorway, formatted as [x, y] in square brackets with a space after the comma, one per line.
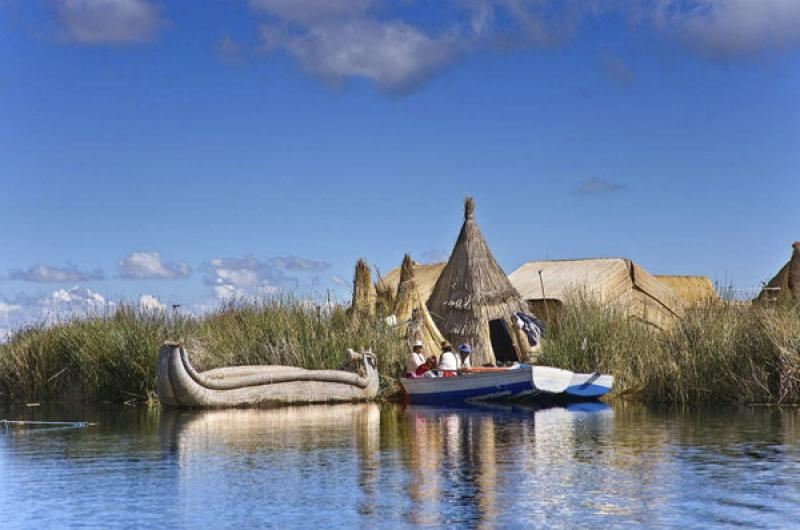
[502, 342]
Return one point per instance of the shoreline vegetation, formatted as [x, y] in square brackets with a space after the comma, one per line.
[724, 353]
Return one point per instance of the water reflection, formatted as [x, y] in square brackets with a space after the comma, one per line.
[493, 466]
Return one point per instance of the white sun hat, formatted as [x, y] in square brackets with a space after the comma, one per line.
[418, 344]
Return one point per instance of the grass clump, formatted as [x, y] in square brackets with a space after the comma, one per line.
[719, 353]
[113, 357]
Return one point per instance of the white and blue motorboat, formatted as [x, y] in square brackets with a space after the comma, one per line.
[519, 381]
[476, 384]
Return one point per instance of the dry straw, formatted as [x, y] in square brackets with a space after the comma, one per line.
[472, 290]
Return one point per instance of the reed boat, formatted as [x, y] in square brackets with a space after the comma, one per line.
[178, 384]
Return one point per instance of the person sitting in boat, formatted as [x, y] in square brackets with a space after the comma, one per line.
[428, 369]
[464, 352]
[415, 359]
[449, 362]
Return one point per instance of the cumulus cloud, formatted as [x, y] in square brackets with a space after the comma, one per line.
[151, 304]
[395, 55]
[338, 40]
[149, 266]
[47, 274]
[731, 27]
[95, 22]
[246, 277]
[250, 277]
[57, 306]
[597, 186]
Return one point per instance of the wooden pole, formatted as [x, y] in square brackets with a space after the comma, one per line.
[544, 297]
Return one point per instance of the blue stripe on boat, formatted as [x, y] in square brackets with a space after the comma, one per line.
[587, 390]
[503, 390]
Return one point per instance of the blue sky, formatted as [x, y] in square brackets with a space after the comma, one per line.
[195, 150]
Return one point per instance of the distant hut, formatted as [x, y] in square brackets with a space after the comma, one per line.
[694, 291]
[473, 301]
[784, 286]
[425, 276]
[363, 302]
[412, 314]
[547, 285]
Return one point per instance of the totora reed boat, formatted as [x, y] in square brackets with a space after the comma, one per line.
[178, 384]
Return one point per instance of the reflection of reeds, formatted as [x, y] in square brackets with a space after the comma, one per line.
[716, 353]
[113, 357]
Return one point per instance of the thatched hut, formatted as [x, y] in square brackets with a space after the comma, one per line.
[785, 285]
[474, 302]
[694, 291]
[412, 315]
[363, 302]
[425, 276]
[547, 285]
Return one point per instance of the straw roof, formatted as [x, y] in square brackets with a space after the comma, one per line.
[694, 291]
[363, 302]
[472, 290]
[786, 284]
[425, 275]
[616, 281]
[414, 320]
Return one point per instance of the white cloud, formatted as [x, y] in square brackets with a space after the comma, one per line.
[57, 306]
[246, 277]
[108, 21]
[395, 55]
[148, 265]
[731, 27]
[149, 303]
[46, 274]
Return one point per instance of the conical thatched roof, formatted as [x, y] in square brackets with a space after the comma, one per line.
[412, 314]
[363, 302]
[471, 291]
[786, 284]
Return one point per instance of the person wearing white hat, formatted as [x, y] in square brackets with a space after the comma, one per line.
[415, 359]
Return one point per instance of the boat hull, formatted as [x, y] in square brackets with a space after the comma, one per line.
[178, 384]
[507, 384]
[589, 386]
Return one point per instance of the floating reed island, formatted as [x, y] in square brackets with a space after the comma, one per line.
[666, 339]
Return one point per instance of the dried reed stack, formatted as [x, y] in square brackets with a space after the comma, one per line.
[471, 291]
[785, 286]
[411, 312]
[405, 297]
[384, 297]
[363, 291]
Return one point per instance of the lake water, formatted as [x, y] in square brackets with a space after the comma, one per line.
[373, 466]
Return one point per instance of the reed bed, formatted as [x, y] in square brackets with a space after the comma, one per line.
[718, 353]
[113, 357]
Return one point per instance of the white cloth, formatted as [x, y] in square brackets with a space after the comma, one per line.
[449, 361]
[414, 360]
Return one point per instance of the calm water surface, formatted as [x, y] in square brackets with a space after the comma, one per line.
[384, 466]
